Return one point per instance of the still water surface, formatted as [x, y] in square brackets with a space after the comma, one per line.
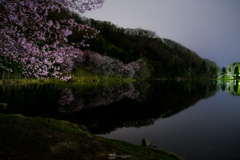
[196, 120]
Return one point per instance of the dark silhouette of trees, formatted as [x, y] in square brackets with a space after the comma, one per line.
[236, 72]
[224, 70]
[203, 68]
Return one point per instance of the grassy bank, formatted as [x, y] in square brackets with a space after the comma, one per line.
[74, 80]
[43, 138]
[80, 76]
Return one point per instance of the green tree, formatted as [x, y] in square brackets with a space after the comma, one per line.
[236, 72]
[224, 70]
[203, 67]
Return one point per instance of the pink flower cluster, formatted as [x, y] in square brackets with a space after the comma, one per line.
[38, 45]
[109, 66]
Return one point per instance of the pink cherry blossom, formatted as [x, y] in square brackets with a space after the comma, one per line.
[37, 44]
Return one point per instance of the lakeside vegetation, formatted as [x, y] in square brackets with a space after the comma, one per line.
[153, 57]
[230, 72]
[80, 76]
[45, 138]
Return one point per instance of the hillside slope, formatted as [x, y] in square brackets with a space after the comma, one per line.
[165, 58]
[156, 57]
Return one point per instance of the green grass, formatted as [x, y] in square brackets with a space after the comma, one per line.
[44, 138]
[80, 76]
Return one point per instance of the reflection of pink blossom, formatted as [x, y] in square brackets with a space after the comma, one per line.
[131, 93]
[67, 97]
[76, 109]
[69, 103]
[77, 105]
[106, 95]
[110, 94]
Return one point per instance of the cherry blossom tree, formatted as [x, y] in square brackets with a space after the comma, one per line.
[36, 43]
[80, 57]
[109, 66]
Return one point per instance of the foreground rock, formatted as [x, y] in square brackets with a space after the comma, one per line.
[43, 138]
[146, 143]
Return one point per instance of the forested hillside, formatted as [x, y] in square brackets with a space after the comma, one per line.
[164, 57]
[127, 52]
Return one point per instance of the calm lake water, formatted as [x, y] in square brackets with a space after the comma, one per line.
[198, 120]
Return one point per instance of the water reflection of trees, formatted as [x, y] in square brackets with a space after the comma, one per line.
[69, 103]
[104, 108]
[29, 99]
[49, 99]
[109, 94]
[162, 99]
[72, 101]
[231, 86]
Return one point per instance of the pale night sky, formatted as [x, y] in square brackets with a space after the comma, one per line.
[211, 28]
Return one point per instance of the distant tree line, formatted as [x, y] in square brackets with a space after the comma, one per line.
[164, 58]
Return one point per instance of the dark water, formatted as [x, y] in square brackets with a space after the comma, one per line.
[196, 120]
